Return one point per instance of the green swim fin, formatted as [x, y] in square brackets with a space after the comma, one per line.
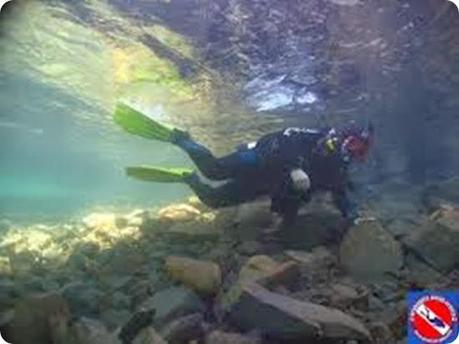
[137, 123]
[159, 174]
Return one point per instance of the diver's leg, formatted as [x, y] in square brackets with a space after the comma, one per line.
[344, 205]
[231, 193]
[210, 166]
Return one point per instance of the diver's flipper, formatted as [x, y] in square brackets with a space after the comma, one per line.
[159, 174]
[137, 123]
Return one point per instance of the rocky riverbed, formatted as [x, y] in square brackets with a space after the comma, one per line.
[189, 274]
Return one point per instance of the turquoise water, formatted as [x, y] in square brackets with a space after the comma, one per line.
[64, 65]
[60, 152]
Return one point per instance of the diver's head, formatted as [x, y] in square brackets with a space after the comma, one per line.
[357, 141]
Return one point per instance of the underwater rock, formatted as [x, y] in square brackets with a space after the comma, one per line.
[40, 318]
[184, 329]
[172, 303]
[188, 222]
[194, 231]
[438, 239]
[107, 229]
[83, 298]
[316, 225]
[136, 218]
[368, 252]
[254, 215]
[318, 258]
[90, 331]
[7, 293]
[203, 277]
[402, 226]
[265, 271]
[419, 273]
[446, 191]
[113, 318]
[96, 221]
[179, 213]
[284, 275]
[381, 333]
[120, 300]
[219, 337]
[282, 317]
[257, 267]
[250, 247]
[149, 336]
[344, 296]
[139, 291]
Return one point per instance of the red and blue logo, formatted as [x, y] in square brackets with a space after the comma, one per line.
[433, 317]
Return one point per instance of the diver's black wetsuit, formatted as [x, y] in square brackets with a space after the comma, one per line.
[263, 168]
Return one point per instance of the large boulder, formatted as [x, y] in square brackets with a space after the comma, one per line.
[282, 317]
[437, 240]
[368, 252]
[40, 319]
[203, 277]
[172, 303]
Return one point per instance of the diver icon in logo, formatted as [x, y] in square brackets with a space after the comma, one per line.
[433, 318]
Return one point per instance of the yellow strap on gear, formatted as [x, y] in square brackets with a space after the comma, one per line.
[331, 145]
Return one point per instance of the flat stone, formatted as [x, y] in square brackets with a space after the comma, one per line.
[255, 268]
[203, 277]
[285, 275]
[282, 317]
[172, 303]
[368, 252]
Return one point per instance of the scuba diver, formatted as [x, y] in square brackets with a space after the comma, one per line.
[288, 165]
